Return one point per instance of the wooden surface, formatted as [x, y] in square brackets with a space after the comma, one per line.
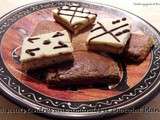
[4, 103]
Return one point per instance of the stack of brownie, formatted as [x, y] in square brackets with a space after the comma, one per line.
[68, 67]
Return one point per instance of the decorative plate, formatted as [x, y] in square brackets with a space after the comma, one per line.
[137, 84]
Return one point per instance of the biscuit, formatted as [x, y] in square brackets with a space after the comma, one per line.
[46, 49]
[111, 35]
[74, 17]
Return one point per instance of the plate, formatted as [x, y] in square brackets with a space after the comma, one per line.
[136, 86]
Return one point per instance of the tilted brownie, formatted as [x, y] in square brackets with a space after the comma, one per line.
[88, 68]
[74, 17]
[46, 49]
[138, 47]
[109, 35]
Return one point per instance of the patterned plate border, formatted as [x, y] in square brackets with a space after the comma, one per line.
[21, 93]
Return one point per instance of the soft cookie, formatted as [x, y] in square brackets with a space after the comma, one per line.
[74, 17]
[46, 49]
[111, 35]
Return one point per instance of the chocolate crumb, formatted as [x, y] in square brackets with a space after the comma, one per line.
[31, 39]
[114, 22]
[62, 44]
[124, 19]
[30, 51]
[46, 42]
[57, 34]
